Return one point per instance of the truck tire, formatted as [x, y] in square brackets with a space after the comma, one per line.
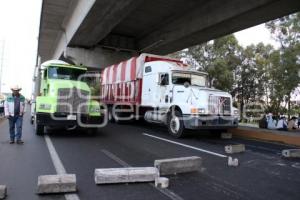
[38, 128]
[175, 124]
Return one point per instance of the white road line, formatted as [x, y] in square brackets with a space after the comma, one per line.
[187, 146]
[166, 192]
[59, 167]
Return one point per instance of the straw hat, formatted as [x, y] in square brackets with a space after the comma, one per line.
[16, 88]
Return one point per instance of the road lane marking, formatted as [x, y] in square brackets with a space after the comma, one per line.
[59, 167]
[115, 158]
[166, 192]
[187, 146]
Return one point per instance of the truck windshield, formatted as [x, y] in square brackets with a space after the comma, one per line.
[191, 78]
[64, 73]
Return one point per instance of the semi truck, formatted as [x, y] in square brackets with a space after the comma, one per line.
[64, 99]
[165, 90]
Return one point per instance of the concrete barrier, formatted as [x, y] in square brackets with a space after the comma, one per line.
[178, 165]
[126, 175]
[237, 148]
[3, 191]
[226, 135]
[291, 153]
[233, 162]
[56, 183]
[162, 182]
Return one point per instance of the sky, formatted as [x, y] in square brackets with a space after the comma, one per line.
[19, 26]
[255, 35]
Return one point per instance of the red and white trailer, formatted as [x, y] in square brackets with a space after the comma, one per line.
[165, 90]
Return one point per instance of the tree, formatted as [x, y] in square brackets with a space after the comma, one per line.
[219, 59]
[286, 31]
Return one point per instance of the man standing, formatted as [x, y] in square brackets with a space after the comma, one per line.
[14, 110]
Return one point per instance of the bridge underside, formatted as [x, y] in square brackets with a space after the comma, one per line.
[102, 32]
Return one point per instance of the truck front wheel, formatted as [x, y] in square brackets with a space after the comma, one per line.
[175, 124]
[39, 129]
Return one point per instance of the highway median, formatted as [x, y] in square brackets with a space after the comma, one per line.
[285, 137]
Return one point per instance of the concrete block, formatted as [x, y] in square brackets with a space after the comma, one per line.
[178, 165]
[237, 148]
[56, 183]
[291, 153]
[226, 135]
[3, 191]
[126, 175]
[233, 162]
[162, 182]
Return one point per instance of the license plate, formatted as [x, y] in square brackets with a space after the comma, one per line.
[71, 117]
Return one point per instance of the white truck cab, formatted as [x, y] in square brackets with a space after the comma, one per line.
[183, 99]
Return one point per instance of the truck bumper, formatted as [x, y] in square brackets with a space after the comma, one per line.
[210, 122]
[60, 120]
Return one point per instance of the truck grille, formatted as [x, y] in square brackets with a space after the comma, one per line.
[70, 99]
[219, 105]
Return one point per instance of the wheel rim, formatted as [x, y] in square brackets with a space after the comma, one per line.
[175, 124]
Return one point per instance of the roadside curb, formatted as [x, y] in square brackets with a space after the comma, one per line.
[289, 138]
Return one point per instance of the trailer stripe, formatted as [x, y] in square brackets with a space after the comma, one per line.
[111, 72]
[119, 68]
[123, 70]
[114, 67]
[104, 76]
[107, 75]
[133, 69]
[127, 71]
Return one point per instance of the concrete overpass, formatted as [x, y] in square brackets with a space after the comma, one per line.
[101, 32]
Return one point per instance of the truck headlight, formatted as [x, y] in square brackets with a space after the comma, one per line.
[197, 110]
[201, 110]
[44, 106]
[194, 110]
[236, 112]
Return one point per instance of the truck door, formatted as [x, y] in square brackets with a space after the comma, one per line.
[149, 87]
[163, 89]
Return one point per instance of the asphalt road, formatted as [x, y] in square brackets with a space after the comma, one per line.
[262, 173]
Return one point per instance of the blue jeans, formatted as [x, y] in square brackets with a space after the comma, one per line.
[15, 127]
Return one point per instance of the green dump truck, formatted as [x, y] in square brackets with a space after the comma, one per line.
[64, 99]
